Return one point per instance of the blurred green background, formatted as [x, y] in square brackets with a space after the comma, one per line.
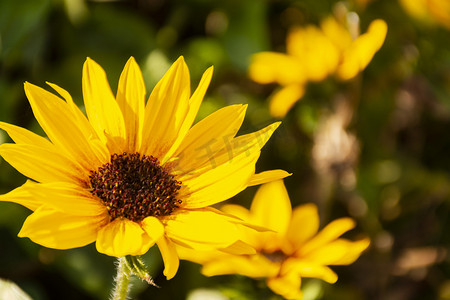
[393, 178]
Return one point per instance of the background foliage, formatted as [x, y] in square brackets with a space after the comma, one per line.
[394, 182]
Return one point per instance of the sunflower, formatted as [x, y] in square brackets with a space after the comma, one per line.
[131, 173]
[294, 248]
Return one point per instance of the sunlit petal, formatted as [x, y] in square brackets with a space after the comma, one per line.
[304, 224]
[61, 124]
[170, 257]
[68, 198]
[207, 137]
[153, 227]
[194, 105]
[360, 53]
[23, 196]
[58, 230]
[23, 136]
[331, 232]
[269, 67]
[122, 237]
[46, 166]
[131, 100]
[338, 252]
[306, 268]
[271, 207]
[252, 266]
[267, 176]
[189, 226]
[166, 110]
[101, 107]
[285, 98]
[228, 172]
[287, 285]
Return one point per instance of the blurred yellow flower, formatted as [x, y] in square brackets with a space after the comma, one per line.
[132, 174]
[294, 248]
[429, 10]
[312, 54]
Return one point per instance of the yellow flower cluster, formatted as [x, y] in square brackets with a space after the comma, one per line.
[292, 248]
[312, 54]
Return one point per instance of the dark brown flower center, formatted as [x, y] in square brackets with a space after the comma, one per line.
[135, 186]
[277, 256]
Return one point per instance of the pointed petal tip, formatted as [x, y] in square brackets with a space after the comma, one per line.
[209, 71]
[180, 60]
[88, 62]
[131, 60]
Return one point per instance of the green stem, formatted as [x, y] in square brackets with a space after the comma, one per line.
[122, 280]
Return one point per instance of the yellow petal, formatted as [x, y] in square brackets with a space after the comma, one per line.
[53, 229]
[271, 207]
[96, 146]
[166, 110]
[122, 237]
[255, 238]
[194, 105]
[227, 173]
[202, 229]
[40, 164]
[351, 251]
[287, 285]
[23, 136]
[200, 257]
[237, 210]
[284, 99]
[268, 67]
[68, 198]
[318, 55]
[153, 227]
[131, 100]
[361, 52]
[330, 233]
[101, 107]
[22, 196]
[170, 257]
[207, 137]
[417, 9]
[429, 11]
[267, 176]
[255, 266]
[440, 11]
[306, 268]
[304, 224]
[60, 124]
[239, 248]
[336, 32]
[218, 184]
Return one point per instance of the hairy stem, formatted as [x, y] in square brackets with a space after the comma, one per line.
[122, 280]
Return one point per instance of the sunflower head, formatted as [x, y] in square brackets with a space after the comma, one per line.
[131, 173]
